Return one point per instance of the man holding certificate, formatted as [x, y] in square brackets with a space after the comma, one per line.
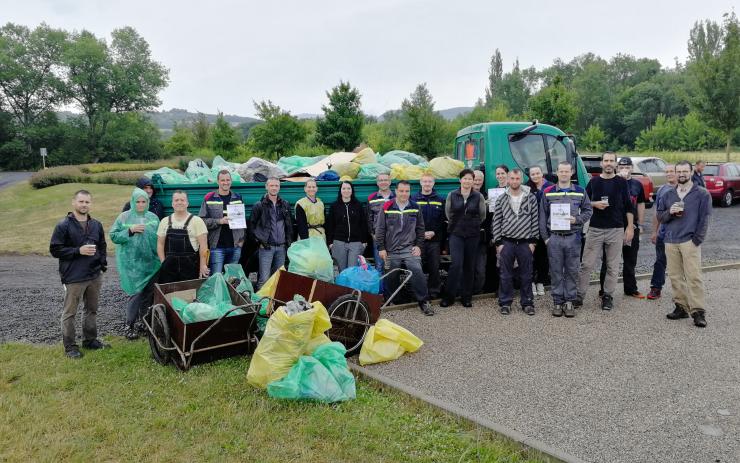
[564, 208]
[223, 213]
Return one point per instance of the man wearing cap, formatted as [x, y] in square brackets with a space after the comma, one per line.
[629, 250]
[611, 226]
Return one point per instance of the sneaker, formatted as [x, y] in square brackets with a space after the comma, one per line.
[636, 295]
[131, 333]
[426, 308]
[557, 310]
[95, 344]
[540, 289]
[654, 293]
[529, 310]
[505, 310]
[678, 313]
[607, 302]
[699, 319]
[569, 310]
[578, 303]
[468, 303]
[73, 354]
[534, 289]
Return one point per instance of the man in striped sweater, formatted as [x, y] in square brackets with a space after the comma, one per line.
[515, 231]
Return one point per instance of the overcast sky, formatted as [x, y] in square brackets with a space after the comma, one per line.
[224, 54]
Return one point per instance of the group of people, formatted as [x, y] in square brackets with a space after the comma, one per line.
[521, 236]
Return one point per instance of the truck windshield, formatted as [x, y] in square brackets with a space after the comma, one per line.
[541, 150]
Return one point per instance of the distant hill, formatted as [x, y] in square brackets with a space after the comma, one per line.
[166, 120]
[452, 113]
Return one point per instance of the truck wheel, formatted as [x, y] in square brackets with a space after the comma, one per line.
[726, 199]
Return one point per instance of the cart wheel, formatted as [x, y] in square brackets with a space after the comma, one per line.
[160, 331]
[349, 322]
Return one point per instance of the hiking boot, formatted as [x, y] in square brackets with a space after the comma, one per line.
[699, 319]
[540, 289]
[426, 308]
[654, 293]
[557, 310]
[95, 344]
[505, 310]
[73, 354]
[636, 295]
[578, 303]
[131, 333]
[607, 302]
[569, 310]
[529, 310]
[467, 303]
[446, 302]
[678, 313]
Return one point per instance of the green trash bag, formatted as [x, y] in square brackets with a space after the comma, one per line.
[199, 312]
[215, 291]
[199, 172]
[236, 271]
[136, 254]
[310, 257]
[292, 164]
[321, 378]
[388, 159]
[414, 159]
[220, 164]
[168, 176]
[372, 170]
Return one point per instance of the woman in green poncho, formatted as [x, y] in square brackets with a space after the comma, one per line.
[135, 235]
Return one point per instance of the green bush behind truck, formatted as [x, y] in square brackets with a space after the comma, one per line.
[480, 146]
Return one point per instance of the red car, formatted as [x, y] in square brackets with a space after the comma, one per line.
[723, 182]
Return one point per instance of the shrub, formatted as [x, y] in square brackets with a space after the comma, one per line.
[125, 167]
[57, 176]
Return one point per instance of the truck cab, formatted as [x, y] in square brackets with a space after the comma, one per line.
[517, 145]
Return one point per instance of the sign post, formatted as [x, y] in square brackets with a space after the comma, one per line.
[43, 157]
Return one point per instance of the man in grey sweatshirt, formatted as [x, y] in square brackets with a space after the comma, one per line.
[685, 212]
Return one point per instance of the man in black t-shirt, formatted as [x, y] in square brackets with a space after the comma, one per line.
[611, 226]
[629, 250]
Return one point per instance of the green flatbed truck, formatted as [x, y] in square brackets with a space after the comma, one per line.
[480, 146]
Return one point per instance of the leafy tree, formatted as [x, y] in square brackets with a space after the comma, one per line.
[592, 94]
[225, 137]
[341, 127]
[279, 133]
[202, 131]
[677, 133]
[386, 135]
[181, 143]
[425, 133]
[131, 135]
[714, 65]
[555, 105]
[30, 72]
[593, 140]
[516, 90]
[103, 79]
[495, 76]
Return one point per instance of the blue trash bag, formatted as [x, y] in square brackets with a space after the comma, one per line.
[367, 280]
[328, 176]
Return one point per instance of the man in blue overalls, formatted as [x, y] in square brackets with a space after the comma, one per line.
[563, 238]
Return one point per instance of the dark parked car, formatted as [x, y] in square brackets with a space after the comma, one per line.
[723, 182]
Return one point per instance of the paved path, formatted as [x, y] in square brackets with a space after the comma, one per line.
[9, 178]
[626, 386]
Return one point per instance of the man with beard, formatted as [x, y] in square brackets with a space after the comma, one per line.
[658, 236]
[611, 227]
[685, 212]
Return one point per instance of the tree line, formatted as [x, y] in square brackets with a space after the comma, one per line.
[621, 103]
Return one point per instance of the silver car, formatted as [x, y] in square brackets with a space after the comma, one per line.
[652, 167]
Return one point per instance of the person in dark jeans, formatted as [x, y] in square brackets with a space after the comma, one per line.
[432, 208]
[658, 237]
[465, 209]
[400, 235]
[78, 241]
[630, 249]
[272, 226]
[515, 232]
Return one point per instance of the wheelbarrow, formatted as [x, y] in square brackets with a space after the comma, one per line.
[352, 312]
[171, 339]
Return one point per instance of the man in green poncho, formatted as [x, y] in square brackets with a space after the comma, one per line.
[135, 235]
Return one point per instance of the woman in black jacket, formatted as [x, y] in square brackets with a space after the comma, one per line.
[346, 228]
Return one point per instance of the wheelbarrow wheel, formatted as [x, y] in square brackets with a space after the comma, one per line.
[350, 321]
[160, 331]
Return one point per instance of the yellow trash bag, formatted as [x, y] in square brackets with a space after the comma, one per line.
[286, 338]
[350, 169]
[268, 289]
[403, 172]
[445, 167]
[366, 156]
[387, 341]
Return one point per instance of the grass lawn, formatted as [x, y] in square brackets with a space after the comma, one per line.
[28, 216]
[118, 405]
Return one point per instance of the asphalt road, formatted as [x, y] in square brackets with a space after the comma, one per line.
[9, 178]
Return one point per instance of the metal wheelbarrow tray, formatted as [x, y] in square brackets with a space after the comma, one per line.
[170, 338]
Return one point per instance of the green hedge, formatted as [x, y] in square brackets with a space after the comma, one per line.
[74, 174]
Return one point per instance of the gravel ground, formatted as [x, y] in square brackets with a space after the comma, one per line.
[621, 386]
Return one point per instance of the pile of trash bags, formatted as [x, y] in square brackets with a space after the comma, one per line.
[365, 164]
[212, 300]
[295, 359]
